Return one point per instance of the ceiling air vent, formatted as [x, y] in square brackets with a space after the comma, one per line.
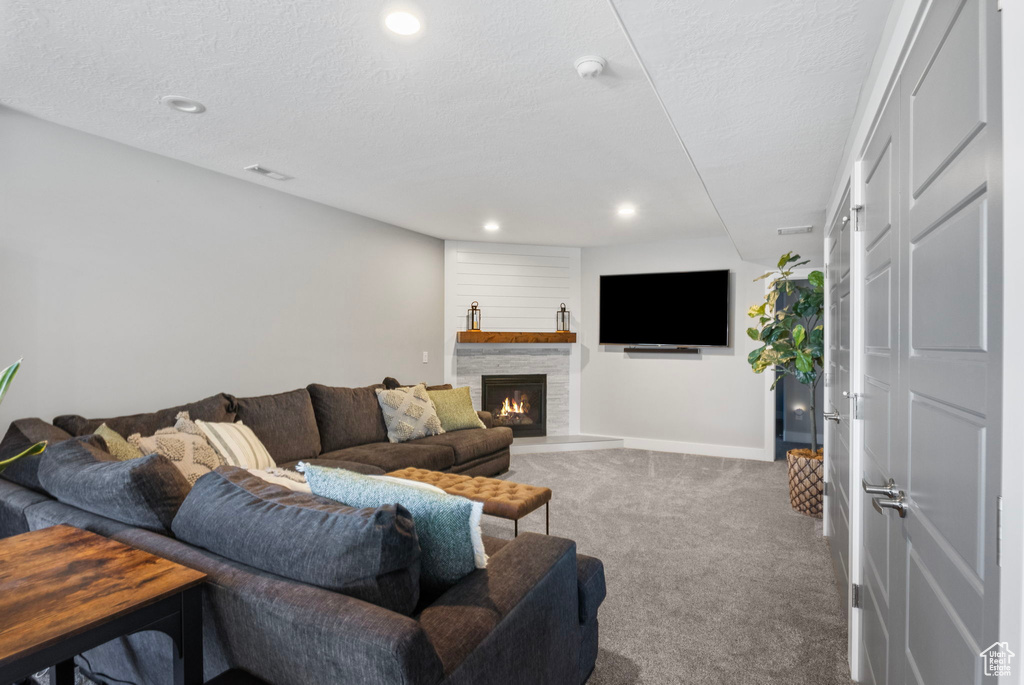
[793, 230]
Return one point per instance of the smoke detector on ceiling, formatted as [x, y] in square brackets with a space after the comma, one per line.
[793, 230]
[590, 66]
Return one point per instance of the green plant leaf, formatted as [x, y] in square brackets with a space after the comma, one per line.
[37, 448]
[804, 362]
[753, 334]
[756, 310]
[817, 279]
[763, 276]
[785, 259]
[799, 334]
[6, 376]
[753, 357]
[807, 377]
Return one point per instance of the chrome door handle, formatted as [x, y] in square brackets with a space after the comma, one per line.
[889, 489]
[832, 416]
[896, 503]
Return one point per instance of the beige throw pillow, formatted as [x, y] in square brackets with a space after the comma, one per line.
[188, 451]
[408, 413]
[237, 445]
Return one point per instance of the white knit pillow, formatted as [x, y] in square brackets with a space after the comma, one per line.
[409, 413]
[237, 444]
[183, 445]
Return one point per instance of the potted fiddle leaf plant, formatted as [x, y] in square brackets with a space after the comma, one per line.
[6, 376]
[792, 342]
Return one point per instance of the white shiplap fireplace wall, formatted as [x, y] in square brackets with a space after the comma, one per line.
[518, 288]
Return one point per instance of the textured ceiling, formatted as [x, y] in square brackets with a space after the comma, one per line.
[763, 94]
[482, 117]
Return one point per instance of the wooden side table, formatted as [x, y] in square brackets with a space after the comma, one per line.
[64, 591]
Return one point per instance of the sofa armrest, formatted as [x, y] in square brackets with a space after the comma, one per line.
[486, 417]
[590, 583]
[286, 631]
[518, 616]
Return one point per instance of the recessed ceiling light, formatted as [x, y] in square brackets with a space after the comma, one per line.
[183, 104]
[402, 23]
[269, 173]
[626, 210]
[492, 226]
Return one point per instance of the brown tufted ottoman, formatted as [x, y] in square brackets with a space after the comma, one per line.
[501, 498]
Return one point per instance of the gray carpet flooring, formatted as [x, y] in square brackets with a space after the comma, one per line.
[712, 577]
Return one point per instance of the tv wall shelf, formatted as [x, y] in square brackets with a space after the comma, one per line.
[513, 338]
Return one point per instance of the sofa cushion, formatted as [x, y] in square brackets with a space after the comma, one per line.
[21, 435]
[14, 501]
[391, 383]
[394, 456]
[371, 553]
[470, 444]
[347, 416]
[214, 408]
[144, 492]
[284, 423]
[337, 463]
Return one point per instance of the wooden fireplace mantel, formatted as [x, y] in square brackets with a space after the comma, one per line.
[514, 338]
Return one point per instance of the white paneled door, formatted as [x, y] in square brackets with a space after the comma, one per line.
[838, 300]
[928, 375]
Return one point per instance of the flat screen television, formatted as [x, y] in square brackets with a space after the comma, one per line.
[683, 309]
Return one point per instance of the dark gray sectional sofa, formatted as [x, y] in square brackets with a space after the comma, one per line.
[530, 618]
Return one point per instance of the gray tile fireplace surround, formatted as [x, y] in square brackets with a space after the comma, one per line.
[471, 363]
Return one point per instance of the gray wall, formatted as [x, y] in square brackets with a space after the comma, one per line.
[711, 403]
[131, 282]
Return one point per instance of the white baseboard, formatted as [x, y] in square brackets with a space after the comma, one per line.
[611, 443]
[704, 449]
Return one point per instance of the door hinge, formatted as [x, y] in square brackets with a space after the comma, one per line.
[856, 595]
[999, 530]
[825, 488]
[828, 379]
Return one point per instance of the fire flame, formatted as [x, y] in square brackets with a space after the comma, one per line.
[511, 407]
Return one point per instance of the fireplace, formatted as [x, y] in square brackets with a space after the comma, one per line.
[517, 401]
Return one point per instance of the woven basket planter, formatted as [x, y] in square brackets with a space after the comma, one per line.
[806, 483]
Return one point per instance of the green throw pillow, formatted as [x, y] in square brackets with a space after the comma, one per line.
[455, 409]
[118, 447]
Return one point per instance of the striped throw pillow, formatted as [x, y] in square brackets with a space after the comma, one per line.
[237, 444]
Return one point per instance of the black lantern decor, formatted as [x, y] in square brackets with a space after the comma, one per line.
[562, 320]
[473, 318]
